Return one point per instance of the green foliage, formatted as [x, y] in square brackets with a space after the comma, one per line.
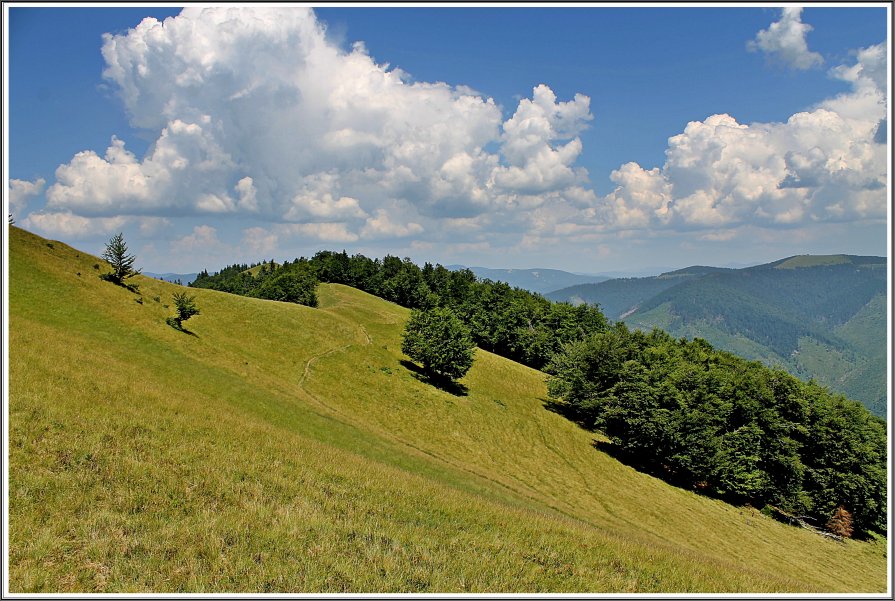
[736, 429]
[185, 305]
[289, 287]
[437, 340]
[289, 282]
[122, 263]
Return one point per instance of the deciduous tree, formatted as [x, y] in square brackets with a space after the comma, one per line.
[439, 341]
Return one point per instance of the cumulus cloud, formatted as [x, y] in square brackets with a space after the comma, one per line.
[822, 164]
[202, 237]
[382, 226]
[66, 224]
[536, 163]
[21, 190]
[785, 40]
[255, 111]
[69, 225]
[325, 232]
[259, 241]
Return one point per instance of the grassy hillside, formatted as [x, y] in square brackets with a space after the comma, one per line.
[282, 448]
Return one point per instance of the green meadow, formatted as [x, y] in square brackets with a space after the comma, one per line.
[279, 448]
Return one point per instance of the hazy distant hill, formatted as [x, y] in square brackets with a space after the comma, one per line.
[185, 278]
[541, 281]
[821, 317]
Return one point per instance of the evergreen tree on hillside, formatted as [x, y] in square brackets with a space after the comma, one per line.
[118, 258]
[186, 307]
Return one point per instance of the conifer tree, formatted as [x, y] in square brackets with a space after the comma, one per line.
[841, 523]
[121, 262]
[185, 305]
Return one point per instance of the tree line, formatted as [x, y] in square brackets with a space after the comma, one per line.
[709, 420]
[511, 322]
[293, 282]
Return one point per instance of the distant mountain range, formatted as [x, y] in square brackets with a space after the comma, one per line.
[817, 316]
[185, 278]
[533, 280]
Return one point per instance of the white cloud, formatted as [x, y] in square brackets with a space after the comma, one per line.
[822, 164]
[869, 71]
[382, 226]
[256, 112]
[67, 224]
[785, 40]
[248, 195]
[21, 190]
[324, 232]
[150, 226]
[259, 241]
[202, 239]
[536, 164]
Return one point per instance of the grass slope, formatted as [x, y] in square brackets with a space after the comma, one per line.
[283, 448]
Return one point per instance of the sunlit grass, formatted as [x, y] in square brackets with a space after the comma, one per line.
[283, 448]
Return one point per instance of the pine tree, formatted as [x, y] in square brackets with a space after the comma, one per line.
[185, 305]
[122, 263]
[841, 523]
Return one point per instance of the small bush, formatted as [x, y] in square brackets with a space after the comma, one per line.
[185, 305]
[841, 523]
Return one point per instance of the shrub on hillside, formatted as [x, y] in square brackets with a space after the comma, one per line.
[841, 523]
[290, 287]
[185, 306]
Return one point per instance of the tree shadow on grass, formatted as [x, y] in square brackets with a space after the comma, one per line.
[441, 383]
[173, 323]
[568, 412]
[108, 277]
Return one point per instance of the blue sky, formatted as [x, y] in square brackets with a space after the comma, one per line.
[546, 143]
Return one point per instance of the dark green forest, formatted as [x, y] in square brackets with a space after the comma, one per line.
[736, 429]
[693, 415]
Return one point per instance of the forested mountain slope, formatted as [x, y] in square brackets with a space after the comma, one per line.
[820, 317]
[541, 281]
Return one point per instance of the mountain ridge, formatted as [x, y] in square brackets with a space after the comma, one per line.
[785, 313]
